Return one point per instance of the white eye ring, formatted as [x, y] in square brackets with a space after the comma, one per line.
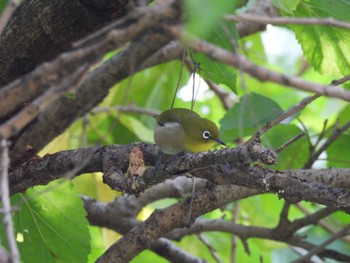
[206, 135]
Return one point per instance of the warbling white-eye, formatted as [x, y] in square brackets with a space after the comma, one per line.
[183, 130]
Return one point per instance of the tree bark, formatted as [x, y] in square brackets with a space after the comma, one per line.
[40, 30]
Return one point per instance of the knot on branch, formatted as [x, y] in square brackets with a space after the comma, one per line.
[210, 164]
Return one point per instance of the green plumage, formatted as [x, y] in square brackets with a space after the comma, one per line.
[181, 129]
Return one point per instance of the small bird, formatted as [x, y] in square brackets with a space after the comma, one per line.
[183, 130]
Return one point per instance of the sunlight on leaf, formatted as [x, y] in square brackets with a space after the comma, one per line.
[52, 221]
[295, 155]
[338, 153]
[134, 125]
[287, 6]
[247, 116]
[325, 47]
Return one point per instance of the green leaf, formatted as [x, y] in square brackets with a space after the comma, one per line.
[338, 152]
[295, 155]
[217, 72]
[344, 116]
[246, 117]
[202, 15]
[325, 47]
[135, 126]
[51, 224]
[287, 6]
[205, 21]
[220, 35]
[3, 3]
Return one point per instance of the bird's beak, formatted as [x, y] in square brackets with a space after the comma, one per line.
[220, 142]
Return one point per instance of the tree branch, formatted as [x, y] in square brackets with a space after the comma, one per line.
[5, 200]
[258, 72]
[330, 21]
[175, 216]
[120, 215]
[50, 28]
[15, 124]
[221, 166]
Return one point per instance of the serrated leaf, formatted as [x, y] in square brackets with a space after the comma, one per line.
[295, 155]
[246, 117]
[287, 6]
[325, 47]
[52, 225]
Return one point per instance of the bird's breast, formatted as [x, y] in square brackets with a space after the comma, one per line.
[169, 137]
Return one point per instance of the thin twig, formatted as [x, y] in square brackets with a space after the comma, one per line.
[5, 198]
[284, 214]
[130, 108]
[212, 250]
[286, 144]
[21, 119]
[344, 231]
[329, 21]
[295, 109]
[340, 81]
[227, 99]
[191, 201]
[179, 79]
[235, 213]
[321, 223]
[330, 140]
[321, 135]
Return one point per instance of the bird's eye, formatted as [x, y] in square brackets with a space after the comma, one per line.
[206, 135]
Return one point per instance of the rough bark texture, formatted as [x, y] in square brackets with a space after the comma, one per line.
[60, 115]
[44, 30]
[40, 30]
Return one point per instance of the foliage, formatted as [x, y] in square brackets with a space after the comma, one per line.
[50, 221]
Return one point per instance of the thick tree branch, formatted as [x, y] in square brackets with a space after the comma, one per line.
[120, 215]
[113, 36]
[67, 110]
[221, 166]
[39, 31]
[92, 92]
[116, 216]
[175, 216]
[15, 124]
[175, 166]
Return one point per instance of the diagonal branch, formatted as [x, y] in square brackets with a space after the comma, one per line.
[90, 51]
[258, 72]
[175, 216]
[14, 125]
[318, 249]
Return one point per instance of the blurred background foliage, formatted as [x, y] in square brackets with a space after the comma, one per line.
[315, 53]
